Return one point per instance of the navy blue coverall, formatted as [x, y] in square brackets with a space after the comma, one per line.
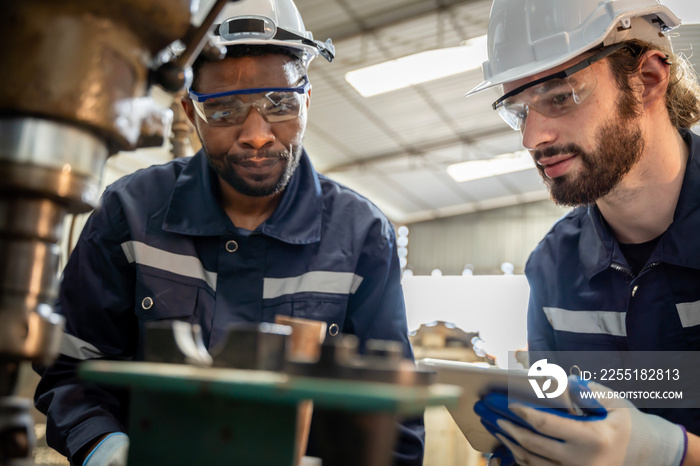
[160, 247]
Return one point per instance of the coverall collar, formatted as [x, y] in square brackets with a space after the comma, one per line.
[195, 208]
[678, 245]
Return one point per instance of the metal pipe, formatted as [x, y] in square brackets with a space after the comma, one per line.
[76, 94]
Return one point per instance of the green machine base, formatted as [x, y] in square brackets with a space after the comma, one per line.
[187, 415]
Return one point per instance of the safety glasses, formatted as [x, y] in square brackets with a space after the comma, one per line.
[232, 107]
[554, 95]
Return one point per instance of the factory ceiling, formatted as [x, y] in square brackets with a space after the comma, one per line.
[394, 148]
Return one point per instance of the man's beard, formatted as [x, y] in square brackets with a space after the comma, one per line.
[225, 166]
[619, 146]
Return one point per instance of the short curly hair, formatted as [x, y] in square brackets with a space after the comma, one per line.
[683, 93]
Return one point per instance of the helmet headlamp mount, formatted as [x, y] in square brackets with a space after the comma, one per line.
[261, 28]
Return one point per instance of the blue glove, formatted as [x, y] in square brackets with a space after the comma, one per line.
[111, 451]
[502, 457]
[494, 406]
[617, 434]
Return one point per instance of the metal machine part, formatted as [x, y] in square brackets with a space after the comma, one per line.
[74, 91]
[259, 346]
[236, 414]
[349, 438]
[248, 345]
[382, 363]
[342, 437]
[443, 340]
[16, 431]
[306, 339]
[304, 345]
[177, 343]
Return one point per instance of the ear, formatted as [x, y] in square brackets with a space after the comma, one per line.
[189, 110]
[654, 73]
[308, 97]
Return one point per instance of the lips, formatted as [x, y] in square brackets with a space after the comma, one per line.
[259, 163]
[556, 166]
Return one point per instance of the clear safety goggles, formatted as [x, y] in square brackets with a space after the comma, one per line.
[232, 107]
[553, 95]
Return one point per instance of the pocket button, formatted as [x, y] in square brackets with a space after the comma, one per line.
[147, 303]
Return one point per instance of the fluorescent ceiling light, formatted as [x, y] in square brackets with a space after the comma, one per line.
[498, 165]
[418, 68]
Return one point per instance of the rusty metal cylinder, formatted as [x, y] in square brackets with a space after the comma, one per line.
[84, 61]
[75, 76]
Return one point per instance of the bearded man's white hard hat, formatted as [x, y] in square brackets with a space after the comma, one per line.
[526, 37]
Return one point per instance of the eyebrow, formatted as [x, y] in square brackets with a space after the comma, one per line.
[549, 85]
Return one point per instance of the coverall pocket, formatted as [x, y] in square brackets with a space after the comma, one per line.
[158, 298]
[331, 311]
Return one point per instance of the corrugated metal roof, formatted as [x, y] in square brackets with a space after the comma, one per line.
[394, 148]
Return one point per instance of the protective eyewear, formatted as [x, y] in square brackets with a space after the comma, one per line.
[232, 107]
[553, 95]
[263, 28]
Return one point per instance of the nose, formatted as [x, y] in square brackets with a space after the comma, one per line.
[538, 130]
[256, 131]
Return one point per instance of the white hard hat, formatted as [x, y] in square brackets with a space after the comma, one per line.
[526, 37]
[268, 22]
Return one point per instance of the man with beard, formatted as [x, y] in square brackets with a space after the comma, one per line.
[242, 232]
[604, 107]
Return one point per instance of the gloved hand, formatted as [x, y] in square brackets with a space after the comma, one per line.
[495, 406]
[502, 457]
[625, 436]
[111, 451]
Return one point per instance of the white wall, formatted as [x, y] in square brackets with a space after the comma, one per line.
[485, 239]
[493, 305]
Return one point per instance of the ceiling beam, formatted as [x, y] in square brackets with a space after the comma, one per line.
[387, 17]
[418, 150]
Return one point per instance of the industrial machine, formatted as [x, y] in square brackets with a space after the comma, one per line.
[242, 405]
[76, 75]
